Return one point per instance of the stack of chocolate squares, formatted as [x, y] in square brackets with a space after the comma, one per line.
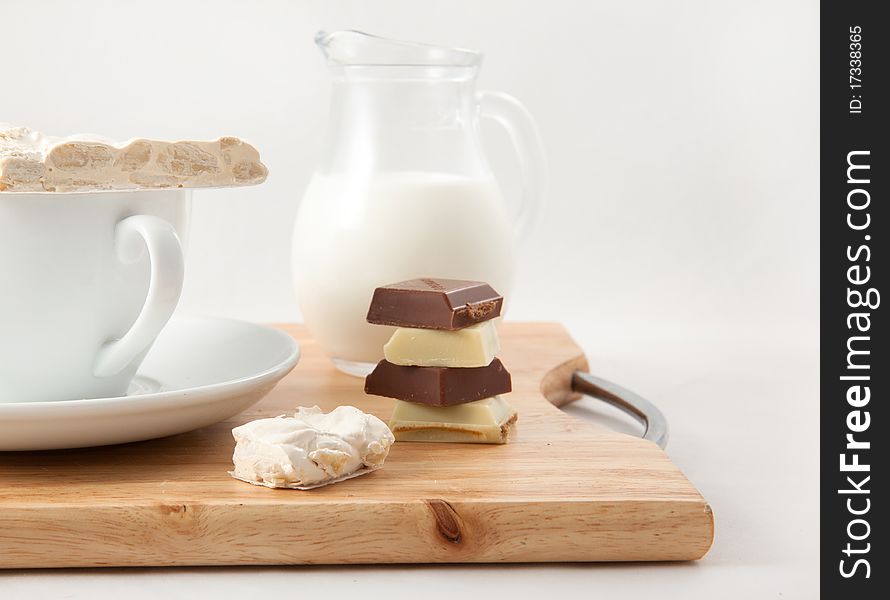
[440, 363]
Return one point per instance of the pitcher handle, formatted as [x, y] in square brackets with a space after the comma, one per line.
[523, 131]
[131, 237]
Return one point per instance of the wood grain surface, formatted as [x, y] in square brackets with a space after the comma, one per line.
[561, 490]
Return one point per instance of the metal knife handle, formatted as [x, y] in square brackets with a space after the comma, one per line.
[636, 406]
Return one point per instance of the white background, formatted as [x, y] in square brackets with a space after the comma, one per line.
[679, 242]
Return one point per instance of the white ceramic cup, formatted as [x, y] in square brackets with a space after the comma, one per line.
[87, 282]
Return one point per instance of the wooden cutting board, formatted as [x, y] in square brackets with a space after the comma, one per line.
[561, 490]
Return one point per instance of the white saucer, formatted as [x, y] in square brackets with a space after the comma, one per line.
[200, 371]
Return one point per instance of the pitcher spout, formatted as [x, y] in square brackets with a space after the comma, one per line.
[357, 48]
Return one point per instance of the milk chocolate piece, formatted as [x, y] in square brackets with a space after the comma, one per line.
[434, 304]
[485, 421]
[438, 386]
[473, 346]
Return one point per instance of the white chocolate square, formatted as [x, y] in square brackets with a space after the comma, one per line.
[484, 421]
[474, 346]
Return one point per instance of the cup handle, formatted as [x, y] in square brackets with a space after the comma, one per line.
[131, 237]
[515, 118]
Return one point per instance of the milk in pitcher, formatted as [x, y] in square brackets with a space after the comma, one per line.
[354, 234]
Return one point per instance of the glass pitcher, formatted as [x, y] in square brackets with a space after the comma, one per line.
[403, 189]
